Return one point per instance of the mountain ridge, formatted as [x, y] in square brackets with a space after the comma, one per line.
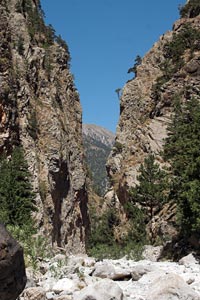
[98, 142]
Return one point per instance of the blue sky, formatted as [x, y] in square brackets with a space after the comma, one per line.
[104, 37]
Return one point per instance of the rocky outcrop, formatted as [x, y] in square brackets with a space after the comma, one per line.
[146, 107]
[40, 109]
[12, 267]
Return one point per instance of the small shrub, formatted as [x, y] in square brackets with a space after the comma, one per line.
[20, 46]
[48, 63]
[18, 6]
[43, 189]
[35, 246]
[118, 147]
[33, 128]
[138, 61]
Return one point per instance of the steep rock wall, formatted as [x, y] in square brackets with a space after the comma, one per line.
[40, 109]
[144, 116]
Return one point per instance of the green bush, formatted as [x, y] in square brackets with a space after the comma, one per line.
[118, 147]
[102, 244]
[36, 247]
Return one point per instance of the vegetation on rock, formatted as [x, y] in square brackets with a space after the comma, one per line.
[182, 150]
[138, 61]
[186, 39]
[16, 195]
[102, 242]
[191, 9]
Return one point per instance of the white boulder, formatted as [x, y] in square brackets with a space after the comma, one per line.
[171, 287]
[105, 289]
[188, 260]
[64, 285]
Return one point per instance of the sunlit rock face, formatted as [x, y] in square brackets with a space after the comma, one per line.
[40, 109]
[144, 118]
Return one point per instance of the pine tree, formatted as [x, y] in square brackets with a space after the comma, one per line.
[16, 195]
[150, 193]
[182, 150]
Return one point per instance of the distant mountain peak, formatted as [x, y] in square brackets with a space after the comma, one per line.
[99, 133]
[98, 142]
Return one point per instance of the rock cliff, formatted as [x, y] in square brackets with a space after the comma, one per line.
[40, 110]
[146, 106]
[147, 101]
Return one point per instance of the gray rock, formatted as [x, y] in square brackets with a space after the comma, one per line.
[188, 260]
[171, 287]
[66, 297]
[139, 270]
[106, 270]
[12, 268]
[105, 289]
[152, 253]
[34, 293]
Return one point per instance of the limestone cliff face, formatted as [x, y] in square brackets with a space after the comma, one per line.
[145, 114]
[40, 109]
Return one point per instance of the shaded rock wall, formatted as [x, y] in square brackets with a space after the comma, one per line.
[40, 109]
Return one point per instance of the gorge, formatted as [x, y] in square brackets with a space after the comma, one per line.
[41, 125]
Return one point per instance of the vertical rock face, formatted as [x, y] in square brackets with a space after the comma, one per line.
[40, 109]
[145, 115]
[12, 267]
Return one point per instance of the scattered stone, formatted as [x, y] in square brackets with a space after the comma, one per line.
[134, 279]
